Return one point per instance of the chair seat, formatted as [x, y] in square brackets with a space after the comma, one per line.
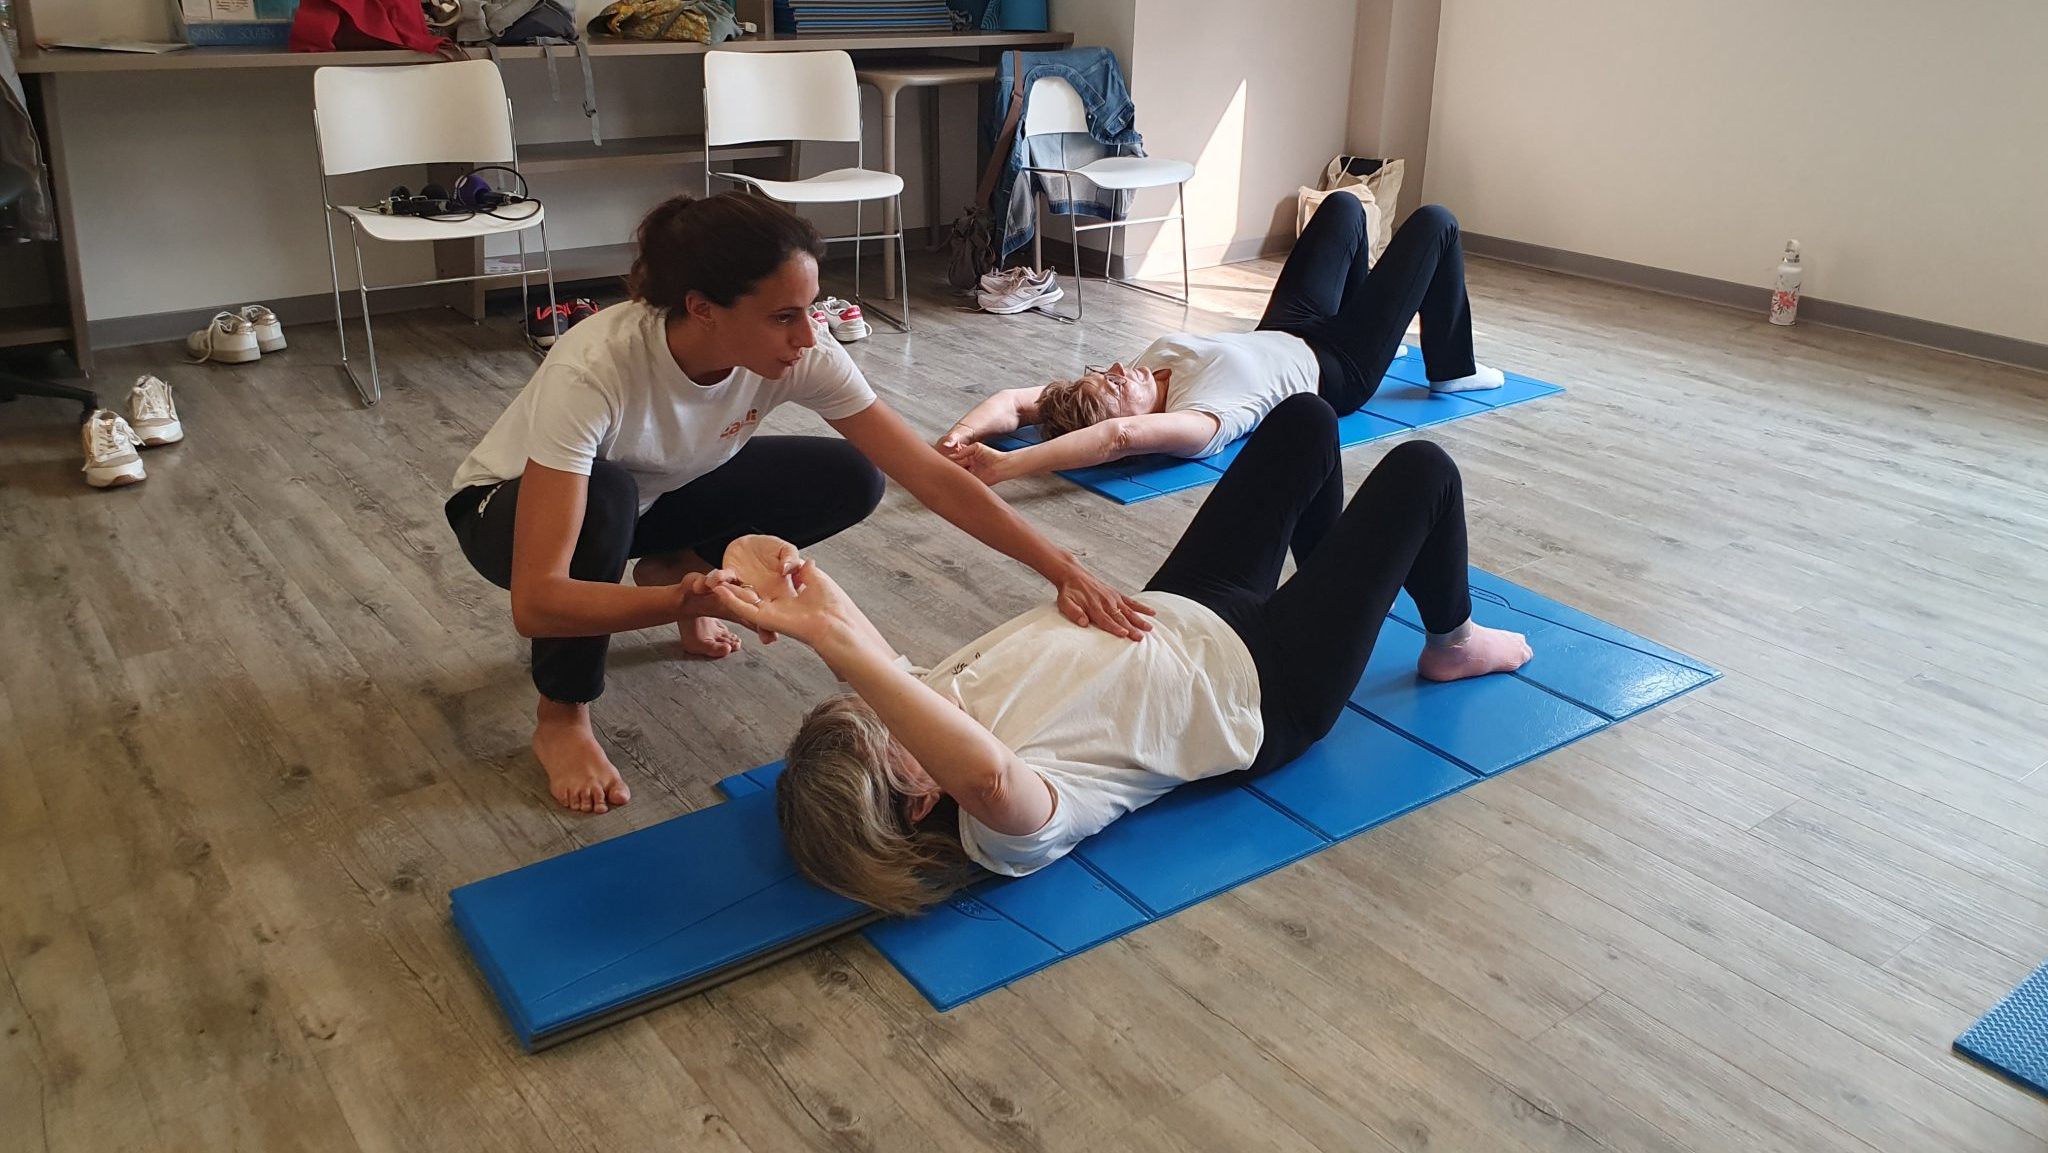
[410, 228]
[1136, 172]
[836, 187]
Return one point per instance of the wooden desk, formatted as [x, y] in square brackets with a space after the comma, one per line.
[50, 73]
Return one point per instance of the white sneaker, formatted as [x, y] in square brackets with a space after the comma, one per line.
[1004, 280]
[226, 338]
[844, 319]
[1031, 292]
[269, 333]
[152, 412]
[110, 457]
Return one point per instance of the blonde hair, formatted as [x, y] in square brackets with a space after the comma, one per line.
[1064, 407]
[840, 801]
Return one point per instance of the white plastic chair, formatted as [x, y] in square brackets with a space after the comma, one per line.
[367, 118]
[1053, 108]
[751, 97]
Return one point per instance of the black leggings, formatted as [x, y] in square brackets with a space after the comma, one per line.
[800, 488]
[1353, 318]
[1311, 636]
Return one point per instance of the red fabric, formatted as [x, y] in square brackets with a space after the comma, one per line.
[355, 25]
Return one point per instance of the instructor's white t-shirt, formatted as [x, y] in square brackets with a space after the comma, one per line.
[1236, 377]
[611, 390]
[1111, 724]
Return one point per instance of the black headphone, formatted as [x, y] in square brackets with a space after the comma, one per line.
[431, 200]
[472, 194]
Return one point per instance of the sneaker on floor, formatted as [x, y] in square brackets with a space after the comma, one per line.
[547, 324]
[1482, 378]
[152, 413]
[269, 333]
[110, 456]
[227, 338]
[581, 309]
[1031, 292]
[844, 319]
[1005, 280]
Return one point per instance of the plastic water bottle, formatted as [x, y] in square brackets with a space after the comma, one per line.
[7, 31]
[1785, 297]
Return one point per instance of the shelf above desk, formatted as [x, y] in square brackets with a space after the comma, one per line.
[52, 61]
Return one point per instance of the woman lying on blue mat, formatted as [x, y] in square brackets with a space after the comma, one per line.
[1040, 734]
[1331, 328]
[635, 441]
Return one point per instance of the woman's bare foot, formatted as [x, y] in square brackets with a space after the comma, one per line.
[1476, 651]
[579, 774]
[705, 637]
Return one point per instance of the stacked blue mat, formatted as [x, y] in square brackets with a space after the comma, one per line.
[575, 942]
[1402, 404]
[2013, 1037]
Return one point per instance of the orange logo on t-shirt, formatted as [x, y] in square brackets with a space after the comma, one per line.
[733, 429]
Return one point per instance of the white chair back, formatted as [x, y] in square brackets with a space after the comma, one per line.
[414, 114]
[1053, 107]
[755, 96]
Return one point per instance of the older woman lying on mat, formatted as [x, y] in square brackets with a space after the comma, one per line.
[1331, 328]
[1041, 733]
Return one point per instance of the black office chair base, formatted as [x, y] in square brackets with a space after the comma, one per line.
[13, 386]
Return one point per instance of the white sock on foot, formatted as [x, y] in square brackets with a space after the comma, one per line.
[1481, 379]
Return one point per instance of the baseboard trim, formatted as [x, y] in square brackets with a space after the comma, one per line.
[1833, 314]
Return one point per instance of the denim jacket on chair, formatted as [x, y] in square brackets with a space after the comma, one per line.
[1095, 75]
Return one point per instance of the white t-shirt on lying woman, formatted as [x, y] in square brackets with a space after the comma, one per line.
[1236, 377]
[1111, 725]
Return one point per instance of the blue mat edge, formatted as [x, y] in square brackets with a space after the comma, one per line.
[1982, 1056]
[514, 1012]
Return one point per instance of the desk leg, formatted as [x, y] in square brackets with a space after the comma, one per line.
[889, 221]
[934, 192]
[62, 258]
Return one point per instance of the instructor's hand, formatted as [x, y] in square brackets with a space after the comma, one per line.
[811, 614]
[1087, 601]
[697, 594]
[991, 466]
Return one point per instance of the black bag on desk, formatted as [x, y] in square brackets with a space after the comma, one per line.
[542, 22]
[971, 241]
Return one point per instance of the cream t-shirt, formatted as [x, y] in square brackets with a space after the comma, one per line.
[1112, 725]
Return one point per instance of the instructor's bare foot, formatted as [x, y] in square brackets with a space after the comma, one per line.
[1480, 651]
[707, 637]
[579, 774]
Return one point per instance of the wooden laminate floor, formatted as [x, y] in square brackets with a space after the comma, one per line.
[257, 717]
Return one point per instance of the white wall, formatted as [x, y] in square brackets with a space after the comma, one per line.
[1393, 73]
[1258, 98]
[1904, 145]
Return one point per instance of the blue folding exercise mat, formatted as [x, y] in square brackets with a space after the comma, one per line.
[574, 943]
[1402, 404]
[2013, 1037]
